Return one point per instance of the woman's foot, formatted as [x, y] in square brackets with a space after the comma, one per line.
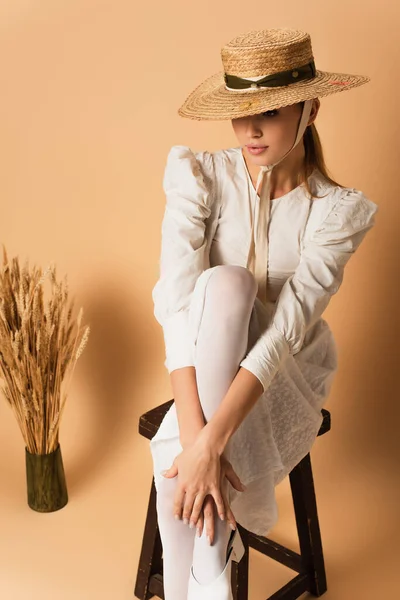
[220, 588]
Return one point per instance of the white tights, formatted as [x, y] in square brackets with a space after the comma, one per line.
[222, 341]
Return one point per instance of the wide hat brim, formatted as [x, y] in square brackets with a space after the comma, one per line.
[212, 101]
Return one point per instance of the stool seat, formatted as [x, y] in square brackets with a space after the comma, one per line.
[309, 564]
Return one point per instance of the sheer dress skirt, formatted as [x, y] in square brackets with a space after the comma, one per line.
[281, 427]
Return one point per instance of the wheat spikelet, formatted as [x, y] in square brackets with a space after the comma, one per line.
[82, 345]
[25, 407]
[80, 315]
[38, 342]
[35, 401]
[54, 424]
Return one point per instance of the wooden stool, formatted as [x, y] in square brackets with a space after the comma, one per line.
[309, 564]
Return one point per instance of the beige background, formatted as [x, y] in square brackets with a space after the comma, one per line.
[89, 93]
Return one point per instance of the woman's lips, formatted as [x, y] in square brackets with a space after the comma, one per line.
[256, 150]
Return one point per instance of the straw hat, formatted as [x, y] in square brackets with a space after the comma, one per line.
[264, 69]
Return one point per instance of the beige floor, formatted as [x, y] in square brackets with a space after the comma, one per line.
[90, 549]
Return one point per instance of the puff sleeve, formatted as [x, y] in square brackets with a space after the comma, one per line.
[183, 250]
[318, 276]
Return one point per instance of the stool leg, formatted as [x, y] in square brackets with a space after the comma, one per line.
[305, 505]
[150, 561]
[240, 571]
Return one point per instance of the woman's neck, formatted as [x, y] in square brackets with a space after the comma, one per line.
[285, 176]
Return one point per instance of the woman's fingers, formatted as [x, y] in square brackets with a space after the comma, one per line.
[209, 517]
[179, 502]
[231, 517]
[235, 481]
[193, 504]
[197, 508]
[200, 524]
[232, 476]
[229, 514]
[190, 499]
[206, 519]
[188, 504]
[219, 501]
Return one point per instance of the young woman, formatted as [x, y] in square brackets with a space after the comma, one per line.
[255, 239]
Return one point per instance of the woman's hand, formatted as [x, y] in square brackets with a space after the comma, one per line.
[207, 518]
[207, 514]
[200, 468]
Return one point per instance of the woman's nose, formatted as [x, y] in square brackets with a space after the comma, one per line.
[252, 128]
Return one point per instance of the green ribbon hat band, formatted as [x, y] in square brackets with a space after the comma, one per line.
[307, 71]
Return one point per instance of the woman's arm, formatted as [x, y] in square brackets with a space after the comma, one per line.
[243, 393]
[303, 299]
[187, 402]
[183, 258]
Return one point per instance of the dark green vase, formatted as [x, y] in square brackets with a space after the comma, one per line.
[45, 477]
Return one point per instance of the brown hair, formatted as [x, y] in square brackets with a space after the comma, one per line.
[314, 157]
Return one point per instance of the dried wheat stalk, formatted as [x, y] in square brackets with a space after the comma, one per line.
[38, 349]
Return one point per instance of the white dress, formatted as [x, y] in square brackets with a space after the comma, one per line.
[210, 202]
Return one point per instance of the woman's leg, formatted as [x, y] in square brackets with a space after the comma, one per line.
[222, 340]
[221, 345]
[177, 542]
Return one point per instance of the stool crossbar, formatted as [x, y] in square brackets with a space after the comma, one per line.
[309, 564]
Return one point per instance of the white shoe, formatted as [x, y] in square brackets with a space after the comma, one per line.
[220, 588]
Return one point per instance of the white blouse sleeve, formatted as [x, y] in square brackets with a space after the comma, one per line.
[318, 276]
[183, 249]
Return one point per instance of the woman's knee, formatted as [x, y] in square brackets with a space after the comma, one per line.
[233, 288]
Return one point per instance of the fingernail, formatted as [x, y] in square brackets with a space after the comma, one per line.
[163, 472]
[176, 517]
[198, 532]
[191, 525]
[208, 540]
[244, 488]
[221, 516]
[231, 525]
[185, 521]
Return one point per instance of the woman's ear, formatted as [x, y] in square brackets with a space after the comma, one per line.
[314, 111]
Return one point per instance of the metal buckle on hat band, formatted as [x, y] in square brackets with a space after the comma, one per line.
[305, 72]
